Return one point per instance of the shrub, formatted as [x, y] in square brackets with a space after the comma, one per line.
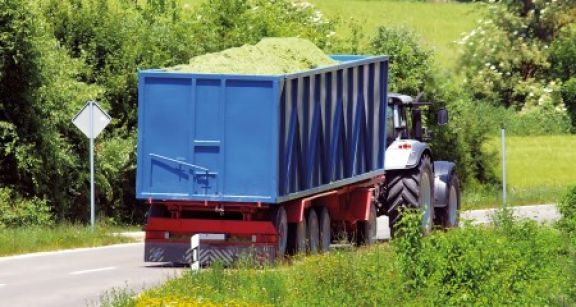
[39, 94]
[516, 262]
[410, 64]
[568, 92]
[567, 208]
[16, 211]
[506, 58]
[563, 54]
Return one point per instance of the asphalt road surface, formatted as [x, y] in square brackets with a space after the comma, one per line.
[77, 277]
[80, 277]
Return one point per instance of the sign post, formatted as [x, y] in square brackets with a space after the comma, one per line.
[91, 120]
[504, 190]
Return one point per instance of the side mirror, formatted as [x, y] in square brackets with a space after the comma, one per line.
[442, 117]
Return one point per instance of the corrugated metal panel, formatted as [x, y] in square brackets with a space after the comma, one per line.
[260, 138]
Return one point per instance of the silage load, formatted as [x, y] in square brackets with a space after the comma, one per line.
[270, 56]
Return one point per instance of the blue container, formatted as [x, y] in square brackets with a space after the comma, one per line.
[240, 138]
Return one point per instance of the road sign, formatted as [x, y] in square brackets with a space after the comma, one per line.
[91, 120]
[91, 113]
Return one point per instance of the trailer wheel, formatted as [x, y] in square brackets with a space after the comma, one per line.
[449, 215]
[297, 237]
[313, 232]
[325, 229]
[411, 188]
[280, 221]
[367, 230]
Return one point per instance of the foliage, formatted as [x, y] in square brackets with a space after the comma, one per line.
[563, 54]
[567, 208]
[39, 94]
[462, 139]
[222, 24]
[517, 262]
[568, 92]
[410, 64]
[16, 211]
[506, 58]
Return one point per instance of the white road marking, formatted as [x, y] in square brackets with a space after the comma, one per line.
[110, 268]
[68, 251]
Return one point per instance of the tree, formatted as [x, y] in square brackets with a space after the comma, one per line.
[506, 58]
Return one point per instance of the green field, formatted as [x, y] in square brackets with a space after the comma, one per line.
[440, 25]
[539, 169]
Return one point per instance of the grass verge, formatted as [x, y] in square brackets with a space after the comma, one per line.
[508, 262]
[64, 236]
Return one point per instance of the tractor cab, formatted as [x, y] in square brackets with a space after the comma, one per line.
[405, 118]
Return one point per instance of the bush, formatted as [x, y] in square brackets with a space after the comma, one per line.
[506, 58]
[568, 92]
[563, 54]
[567, 208]
[39, 94]
[16, 211]
[410, 64]
[516, 262]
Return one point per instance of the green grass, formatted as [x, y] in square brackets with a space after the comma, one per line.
[539, 168]
[439, 24]
[515, 263]
[64, 236]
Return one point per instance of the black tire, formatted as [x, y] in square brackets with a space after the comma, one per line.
[280, 221]
[367, 230]
[449, 216]
[407, 188]
[325, 229]
[297, 237]
[312, 232]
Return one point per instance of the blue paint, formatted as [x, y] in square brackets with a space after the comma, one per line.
[260, 138]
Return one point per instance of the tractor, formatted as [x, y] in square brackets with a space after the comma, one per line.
[413, 178]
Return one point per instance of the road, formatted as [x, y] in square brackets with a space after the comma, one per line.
[77, 277]
[80, 277]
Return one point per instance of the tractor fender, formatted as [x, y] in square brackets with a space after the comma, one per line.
[405, 154]
[443, 171]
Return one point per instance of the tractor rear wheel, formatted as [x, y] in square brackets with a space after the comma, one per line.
[413, 188]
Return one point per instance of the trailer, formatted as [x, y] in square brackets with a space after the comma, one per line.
[261, 166]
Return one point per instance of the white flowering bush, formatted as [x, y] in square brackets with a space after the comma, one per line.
[506, 59]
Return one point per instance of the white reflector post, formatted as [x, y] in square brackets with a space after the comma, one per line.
[194, 246]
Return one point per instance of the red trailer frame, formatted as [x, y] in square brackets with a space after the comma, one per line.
[168, 237]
